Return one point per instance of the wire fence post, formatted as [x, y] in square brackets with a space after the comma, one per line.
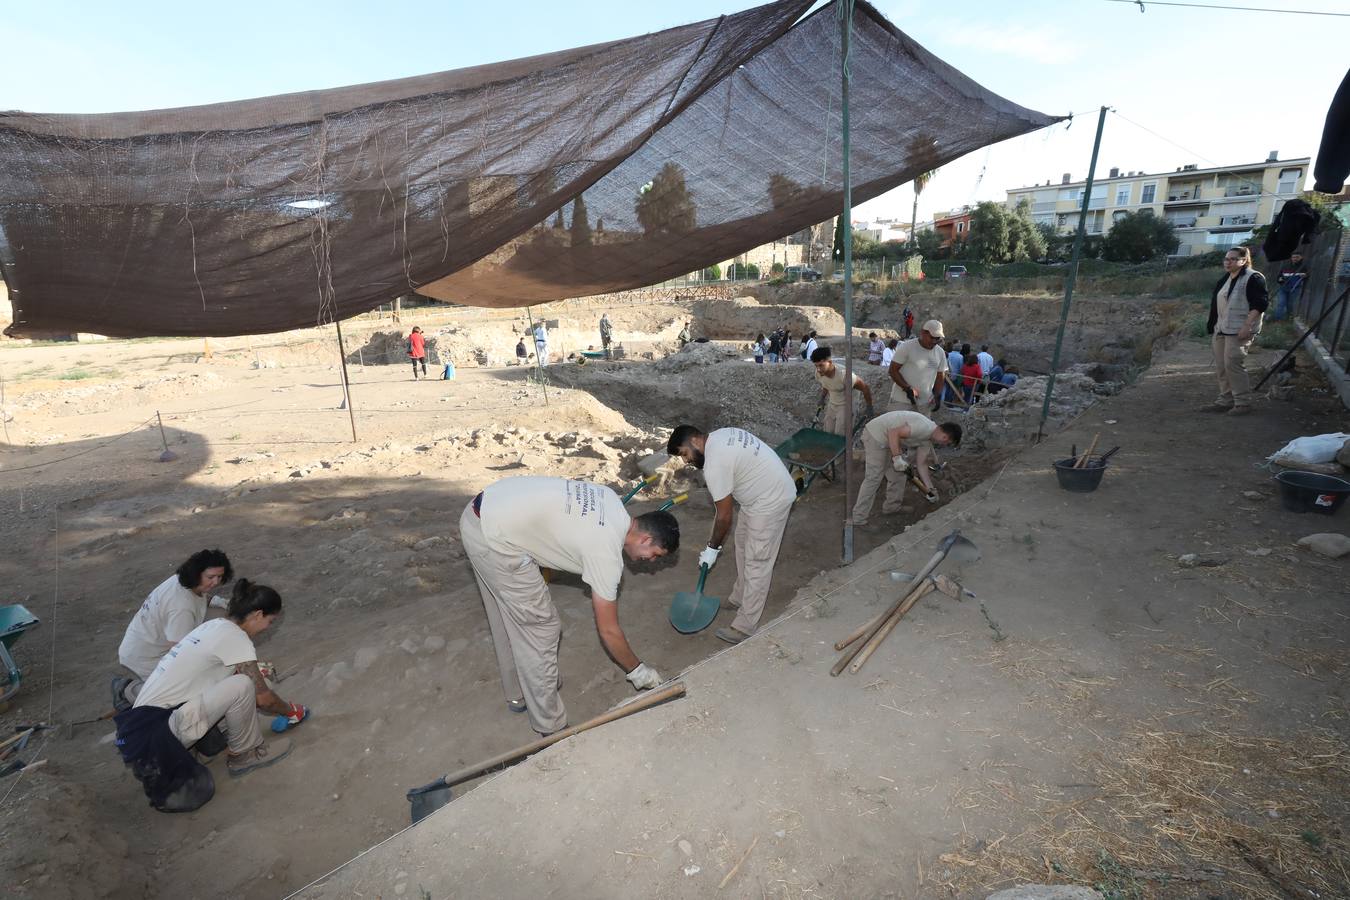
[346, 382]
[845, 32]
[1073, 274]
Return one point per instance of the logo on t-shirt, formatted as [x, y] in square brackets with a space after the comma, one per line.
[585, 499]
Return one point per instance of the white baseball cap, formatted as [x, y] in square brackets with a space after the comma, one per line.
[933, 327]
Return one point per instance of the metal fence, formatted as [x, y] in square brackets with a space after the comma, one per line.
[1328, 276]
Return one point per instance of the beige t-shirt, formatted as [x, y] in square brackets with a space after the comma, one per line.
[921, 427]
[920, 368]
[738, 464]
[572, 526]
[164, 619]
[204, 658]
[834, 385]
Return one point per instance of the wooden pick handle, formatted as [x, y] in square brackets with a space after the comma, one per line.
[1087, 454]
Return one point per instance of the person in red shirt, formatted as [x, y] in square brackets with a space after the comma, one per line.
[971, 373]
[417, 349]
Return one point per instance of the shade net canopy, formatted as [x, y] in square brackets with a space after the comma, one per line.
[586, 171]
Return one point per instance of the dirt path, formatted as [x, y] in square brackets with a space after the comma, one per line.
[1102, 714]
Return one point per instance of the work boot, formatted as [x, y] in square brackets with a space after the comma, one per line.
[517, 706]
[730, 635]
[266, 753]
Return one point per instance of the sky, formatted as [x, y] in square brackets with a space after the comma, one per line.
[1211, 87]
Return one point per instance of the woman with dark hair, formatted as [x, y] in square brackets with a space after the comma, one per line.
[173, 609]
[210, 679]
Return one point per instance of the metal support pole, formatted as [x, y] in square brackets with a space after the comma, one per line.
[538, 363]
[1072, 276]
[346, 382]
[846, 34]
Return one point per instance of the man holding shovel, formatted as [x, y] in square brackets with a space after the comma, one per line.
[886, 440]
[832, 394]
[518, 524]
[917, 369]
[739, 466]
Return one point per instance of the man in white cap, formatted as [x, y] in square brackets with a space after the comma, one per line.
[739, 467]
[517, 525]
[917, 369]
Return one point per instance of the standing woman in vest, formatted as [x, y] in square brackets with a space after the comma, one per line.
[1240, 298]
[417, 351]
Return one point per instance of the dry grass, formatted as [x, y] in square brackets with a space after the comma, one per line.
[1175, 815]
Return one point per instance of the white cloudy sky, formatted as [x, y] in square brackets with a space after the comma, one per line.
[1227, 86]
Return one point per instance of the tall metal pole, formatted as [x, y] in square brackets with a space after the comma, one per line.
[846, 34]
[346, 382]
[1072, 276]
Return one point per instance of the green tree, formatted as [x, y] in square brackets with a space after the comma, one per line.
[712, 273]
[928, 242]
[776, 269]
[989, 241]
[1139, 236]
[581, 226]
[865, 248]
[1025, 240]
[838, 253]
[665, 205]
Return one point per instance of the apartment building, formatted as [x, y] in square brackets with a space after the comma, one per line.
[1211, 209]
[952, 225]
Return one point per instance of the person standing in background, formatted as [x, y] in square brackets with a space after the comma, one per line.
[1235, 309]
[1292, 275]
[417, 350]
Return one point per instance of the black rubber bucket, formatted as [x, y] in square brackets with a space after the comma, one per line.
[1080, 481]
[1303, 492]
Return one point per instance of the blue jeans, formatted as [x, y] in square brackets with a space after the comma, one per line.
[773, 357]
[1285, 299]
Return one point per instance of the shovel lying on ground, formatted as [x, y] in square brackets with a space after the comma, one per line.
[692, 611]
[430, 797]
[959, 548]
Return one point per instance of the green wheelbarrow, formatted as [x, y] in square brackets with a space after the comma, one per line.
[14, 621]
[810, 452]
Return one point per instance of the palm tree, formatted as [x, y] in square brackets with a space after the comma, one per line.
[920, 182]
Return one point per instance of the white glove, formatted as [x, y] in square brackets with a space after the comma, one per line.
[931, 496]
[644, 677]
[900, 463]
[709, 556]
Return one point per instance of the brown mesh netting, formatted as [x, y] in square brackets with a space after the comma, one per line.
[590, 170]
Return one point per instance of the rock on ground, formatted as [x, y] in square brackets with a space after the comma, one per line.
[1046, 892]
[1327, 544]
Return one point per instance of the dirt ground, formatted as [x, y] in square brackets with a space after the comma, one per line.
[1112, 656]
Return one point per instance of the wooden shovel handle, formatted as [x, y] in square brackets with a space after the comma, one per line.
[871, 627]
[644, 701]
[1082, 460]
[889, 626]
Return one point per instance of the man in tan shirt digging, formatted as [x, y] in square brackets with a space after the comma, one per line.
[885, 441]
[739, 466]
[519, 524]
[832, 396]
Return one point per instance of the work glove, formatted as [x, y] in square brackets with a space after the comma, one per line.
[644, 677]
[931, 496]
[296, 715]
[900, 463]
[709, 556]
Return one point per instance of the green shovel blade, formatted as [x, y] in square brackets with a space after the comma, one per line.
[692, 611]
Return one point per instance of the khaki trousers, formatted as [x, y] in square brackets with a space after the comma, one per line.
[231, 702]
[758, 538]
[1230, 364]
[833, 419]
[525, 625]
[878, 466]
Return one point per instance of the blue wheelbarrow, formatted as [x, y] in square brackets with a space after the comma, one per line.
[14, 621]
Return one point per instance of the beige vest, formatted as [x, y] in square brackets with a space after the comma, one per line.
[1232, 305]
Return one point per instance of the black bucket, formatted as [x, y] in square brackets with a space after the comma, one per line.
[1080, 481]
[1303, 492]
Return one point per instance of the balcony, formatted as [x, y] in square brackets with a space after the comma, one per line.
[1191, 197]
[1237, 220]
[1245, 190]
[1186, 222]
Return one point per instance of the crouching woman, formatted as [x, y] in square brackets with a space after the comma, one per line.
[211, 677]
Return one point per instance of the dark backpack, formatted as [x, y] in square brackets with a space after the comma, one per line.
[1293, 226]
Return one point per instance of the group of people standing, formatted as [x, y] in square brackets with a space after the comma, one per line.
[778, 346]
